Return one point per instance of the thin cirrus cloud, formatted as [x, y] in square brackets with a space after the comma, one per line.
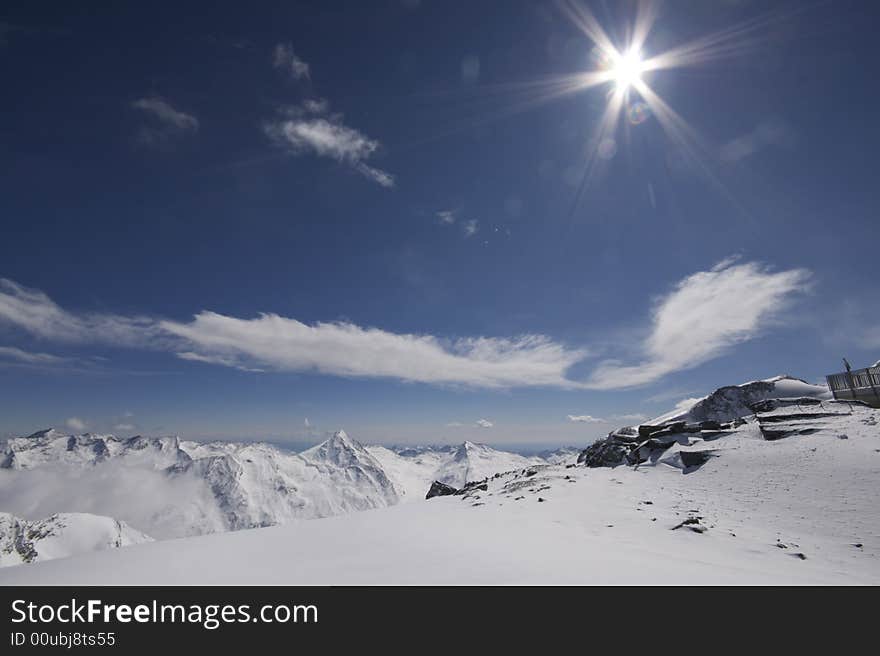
[585, 419]
[28, 357]
[702, 318]
[470, 227]
[446, 217]
[310, 128]
[36, 313]
[589, 419]
[483, 423]
[166, 122]
[273, 343]
[345, 349]
[767, 133]
[285, 59]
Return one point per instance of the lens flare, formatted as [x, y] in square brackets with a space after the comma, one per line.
[638, 112]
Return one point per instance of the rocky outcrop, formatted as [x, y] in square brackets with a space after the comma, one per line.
[633, 446]
[439, 489]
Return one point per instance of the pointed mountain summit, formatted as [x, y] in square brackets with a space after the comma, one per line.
[473, 462]
[342, 451]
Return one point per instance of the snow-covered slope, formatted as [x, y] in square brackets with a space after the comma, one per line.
[729, 403]
[801, 509]
[411, 470]
[784, 494]
[562, 456]
[60, 536]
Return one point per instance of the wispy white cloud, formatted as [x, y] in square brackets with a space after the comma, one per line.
[75, 424]
[470, 227]
[446, 217]
[630, 417]
[28, 357]
[275, 343]
[703, 317]
[168, 123]
[345, 349]
[34, 312]
[585, 419]
[327, 136]
[285, 59]
[162, 110]
[483, 423]
[310, 127]
[768, 133]
[589, 419]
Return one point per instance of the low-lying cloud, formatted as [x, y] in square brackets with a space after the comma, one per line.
[150, 501]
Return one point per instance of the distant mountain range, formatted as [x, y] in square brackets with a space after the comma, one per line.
[768, 482]
[170, 488]
[100, 492]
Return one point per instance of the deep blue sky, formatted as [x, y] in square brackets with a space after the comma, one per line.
[108, 208]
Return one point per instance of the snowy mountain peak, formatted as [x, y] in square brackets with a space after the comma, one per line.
[46, 433]
[342, 439]
[473, 462]
[340, 450]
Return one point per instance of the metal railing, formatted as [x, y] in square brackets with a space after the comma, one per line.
[858, 384]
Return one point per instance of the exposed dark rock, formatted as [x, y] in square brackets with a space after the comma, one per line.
[473, 486]
[605, 453]
[806, 416]
[439, 489]
[694, 458]
[767, 405]
[645, 430]
[777, 434]
[692, 523]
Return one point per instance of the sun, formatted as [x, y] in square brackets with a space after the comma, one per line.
[627, 68]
